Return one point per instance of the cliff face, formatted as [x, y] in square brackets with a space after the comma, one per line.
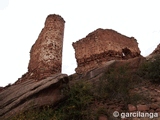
[101, 46]
[46, 53]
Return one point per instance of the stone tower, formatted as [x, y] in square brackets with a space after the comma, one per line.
[46, 53]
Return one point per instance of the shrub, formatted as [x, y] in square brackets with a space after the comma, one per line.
[114, 84]
[118, 84]
[44, 113]
[151, 69]
[75, 107]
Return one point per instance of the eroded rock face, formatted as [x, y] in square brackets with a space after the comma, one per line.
[30, 94]
[46, 53]
[157, 50]
[103, 45]
[1, 88]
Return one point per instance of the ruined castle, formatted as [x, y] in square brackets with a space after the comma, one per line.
[95, 49]
[44, 84]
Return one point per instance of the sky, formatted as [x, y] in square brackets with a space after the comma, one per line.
[21, 21]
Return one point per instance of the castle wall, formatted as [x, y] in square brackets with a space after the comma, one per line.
[101, 46]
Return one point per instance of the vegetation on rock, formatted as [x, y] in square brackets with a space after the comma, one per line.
[151, 69]
[87, 99]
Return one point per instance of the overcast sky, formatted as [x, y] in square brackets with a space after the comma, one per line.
[21, 21]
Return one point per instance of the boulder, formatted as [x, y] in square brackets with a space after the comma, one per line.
[142, 107]
[131, 108]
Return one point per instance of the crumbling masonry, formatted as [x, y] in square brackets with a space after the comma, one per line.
[103, 45]
[46, 53]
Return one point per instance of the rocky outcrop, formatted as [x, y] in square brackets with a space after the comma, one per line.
[103, 45]
[157, 50]
[1, 88]
[96, 73]
[149, 93]
[30, 94]
[46, 53]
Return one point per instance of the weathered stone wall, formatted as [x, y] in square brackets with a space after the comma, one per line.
[46, 53]
[103, 45]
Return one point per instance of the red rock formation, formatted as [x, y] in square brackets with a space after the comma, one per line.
[157, 50]
[46, 53]
[1, 88]
[101, 46]
[30, 94]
